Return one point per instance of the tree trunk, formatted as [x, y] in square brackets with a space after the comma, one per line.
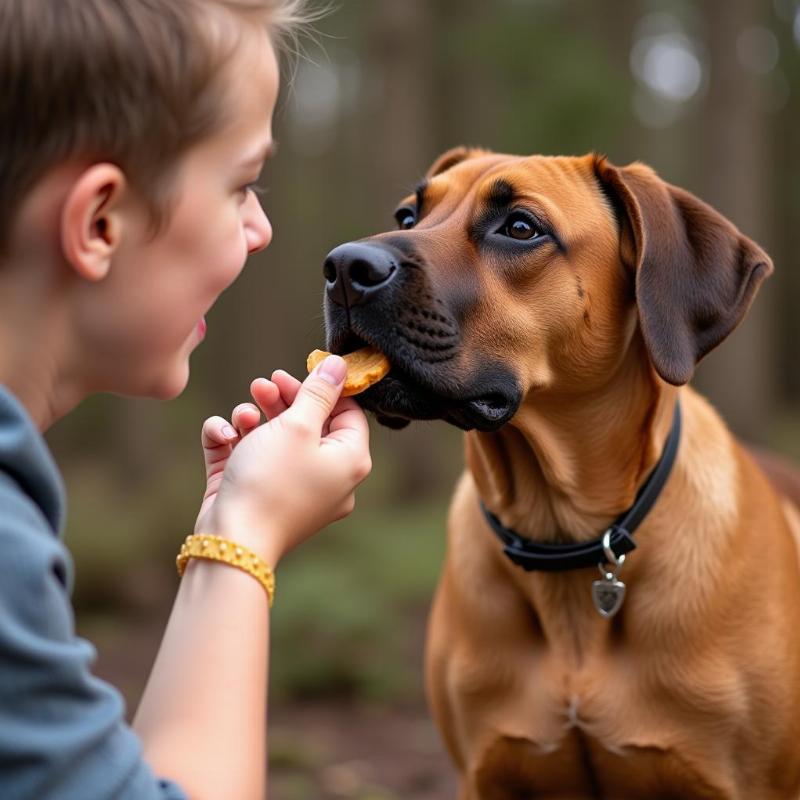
[403, 139]
[735, 179]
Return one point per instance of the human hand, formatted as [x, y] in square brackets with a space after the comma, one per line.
[270, 486]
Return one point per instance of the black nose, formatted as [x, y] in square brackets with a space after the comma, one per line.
[355, 270]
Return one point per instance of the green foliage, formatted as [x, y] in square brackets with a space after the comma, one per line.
[295, 786]
[124, 544]
[559, 92]
[291, 753]
[349, 605]
[784, 434]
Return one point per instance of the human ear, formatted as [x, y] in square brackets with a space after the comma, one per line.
[91, 220]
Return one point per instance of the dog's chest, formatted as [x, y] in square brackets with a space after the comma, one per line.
[581, 766]
[581, 732]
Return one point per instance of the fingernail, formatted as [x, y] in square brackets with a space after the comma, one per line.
[333, 370]
[228, 432]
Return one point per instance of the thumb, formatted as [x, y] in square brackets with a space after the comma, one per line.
[320, 391]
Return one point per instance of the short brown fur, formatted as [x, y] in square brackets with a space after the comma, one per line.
[693, 689]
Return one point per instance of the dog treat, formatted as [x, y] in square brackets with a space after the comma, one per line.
[365, 367]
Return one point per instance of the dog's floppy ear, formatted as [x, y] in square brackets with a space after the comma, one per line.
[451, 158]
[695, 273]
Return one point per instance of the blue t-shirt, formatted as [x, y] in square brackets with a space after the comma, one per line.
[62, 731]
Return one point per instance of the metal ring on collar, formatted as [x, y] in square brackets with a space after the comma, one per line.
[611, 556]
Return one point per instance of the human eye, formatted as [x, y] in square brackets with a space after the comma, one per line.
[256, 188]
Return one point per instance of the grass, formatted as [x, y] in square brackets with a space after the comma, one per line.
[348, 610]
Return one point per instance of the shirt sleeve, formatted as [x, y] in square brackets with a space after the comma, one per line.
[62, 730]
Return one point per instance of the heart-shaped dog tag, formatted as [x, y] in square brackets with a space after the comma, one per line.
[607, 595]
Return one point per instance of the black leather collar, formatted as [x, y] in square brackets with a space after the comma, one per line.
[548, 557]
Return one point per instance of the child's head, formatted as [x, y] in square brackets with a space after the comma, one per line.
[131, 130]
[133, 82]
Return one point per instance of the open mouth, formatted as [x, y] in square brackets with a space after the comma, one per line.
[346, 343]
[418, 390]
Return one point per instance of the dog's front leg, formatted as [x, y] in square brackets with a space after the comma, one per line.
[438, 651]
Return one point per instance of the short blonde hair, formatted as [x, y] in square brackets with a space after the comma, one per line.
[132, 82]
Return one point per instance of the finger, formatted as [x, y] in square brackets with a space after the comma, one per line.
[217, 438]
[319, 393]
[217, 432]
[268, 397]
[342, 404]
[289, 386]
[245, 417]
[349, 424]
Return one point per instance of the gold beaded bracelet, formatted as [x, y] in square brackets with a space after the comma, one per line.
[215, 548]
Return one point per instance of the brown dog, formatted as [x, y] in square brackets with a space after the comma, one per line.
[555, 308]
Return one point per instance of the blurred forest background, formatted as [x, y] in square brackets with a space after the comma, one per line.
[707, 92]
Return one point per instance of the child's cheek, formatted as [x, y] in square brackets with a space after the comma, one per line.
[230, 262]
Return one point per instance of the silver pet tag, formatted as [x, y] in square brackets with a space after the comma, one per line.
[608, 594]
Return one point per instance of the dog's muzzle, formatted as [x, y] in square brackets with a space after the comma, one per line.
[378, 293]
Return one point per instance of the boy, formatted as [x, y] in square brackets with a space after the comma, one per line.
[131, 133]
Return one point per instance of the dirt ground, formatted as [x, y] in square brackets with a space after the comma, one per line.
[356, 752]
[327, 750]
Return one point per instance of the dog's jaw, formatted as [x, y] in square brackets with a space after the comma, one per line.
[399, 399]
[424, 383]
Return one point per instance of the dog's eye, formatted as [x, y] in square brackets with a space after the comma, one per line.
[406, 218]
[519, 226]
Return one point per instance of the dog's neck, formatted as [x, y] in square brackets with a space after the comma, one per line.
[583, 458]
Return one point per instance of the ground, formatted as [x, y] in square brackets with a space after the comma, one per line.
[336, 750]
[330, 749]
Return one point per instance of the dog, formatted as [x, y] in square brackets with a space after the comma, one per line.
[555, 309]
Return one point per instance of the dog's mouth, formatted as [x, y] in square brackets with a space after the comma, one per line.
[419, 389]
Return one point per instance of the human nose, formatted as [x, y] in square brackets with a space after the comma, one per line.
[258, 229]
